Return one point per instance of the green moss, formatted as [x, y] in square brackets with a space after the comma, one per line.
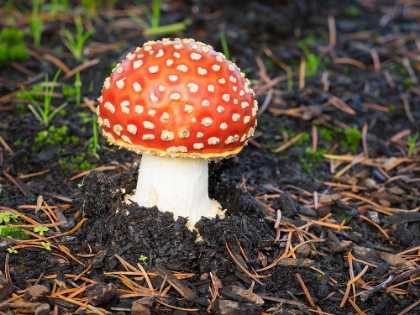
[12, 46]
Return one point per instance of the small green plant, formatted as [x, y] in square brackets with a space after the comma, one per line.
[142, 258]
[313, 62]
[13, 232]
[225, 47]
[412, 141]
[352, 11]
[41, 230]
[45, 113]
[353, 137]
[76, 42]
[6, 216]
[36, 22]
[153, 27]
[12, 46]
[57, 7]
[55, 135]
[12, 250]
[47, 245]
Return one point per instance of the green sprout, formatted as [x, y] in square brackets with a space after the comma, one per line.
[76, 42]
[412, 141]
[36, 22]
[6, 216]
[47, 245]
[41, 230]
[142, 258]
[353, 137]
[44, 113]
[153, 28]
[13, 232]
[12, 250]
[225, 47]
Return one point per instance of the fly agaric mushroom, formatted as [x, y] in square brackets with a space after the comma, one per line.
[179, 103]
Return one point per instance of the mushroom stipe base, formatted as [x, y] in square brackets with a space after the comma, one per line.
[177, 185]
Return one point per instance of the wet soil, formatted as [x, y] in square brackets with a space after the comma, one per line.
[364, 77]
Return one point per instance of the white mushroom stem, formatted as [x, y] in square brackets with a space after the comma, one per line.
[177, 185]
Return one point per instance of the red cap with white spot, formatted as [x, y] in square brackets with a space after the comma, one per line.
[178, 98]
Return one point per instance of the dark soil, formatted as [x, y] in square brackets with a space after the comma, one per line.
[334, 192]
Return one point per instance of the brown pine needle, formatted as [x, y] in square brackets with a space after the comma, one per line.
[375, 224]
[306, 291]
[289, 143]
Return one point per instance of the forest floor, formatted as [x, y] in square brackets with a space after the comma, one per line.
[322, 205]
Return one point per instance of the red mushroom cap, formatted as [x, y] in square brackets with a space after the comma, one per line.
[178, 98]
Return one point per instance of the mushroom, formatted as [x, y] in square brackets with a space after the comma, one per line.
[180, 104]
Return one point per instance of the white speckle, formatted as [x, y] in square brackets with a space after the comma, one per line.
[109, 137]
[235, 101]
[178, 46]
[210, 88]
[177, 54]
[164, 118]
[161, 88]
[100, 98]
[247, 119]
[195, 56]
[151, 112]
[243, 138]
[194, 120]
[205, 103]
[246, 88]
[215, 67]
[231, 67]
[169, 62]
[175, 96]
[254, 111]
[205, 49]
[219, 58]
[189, 108]
[119, 70]
[202, 71]
[148, 125]
[160, 53]
[109, 107]
[200, 135]
[194, 46]
[153, 97]
[130, 56]
[255, 103]
[213, 141]
[117, 129]
[167, 135]
[182, 68]
[153, 69]
[234, 88]
[236, 117]
[181, 148]
[192, 87]
[241, 93]
[173, 77]
[137, 64]
[106, 123]
[207, 121]
[120, 83]
[100, 121]
[223, 126]
[220, 109]
[147, 47]
[232, 139]
[138, 109]
[242, 75]
[232, 79]
[126, 139]
[244, 105]
[222, 81]
[226, 97]
[184, 133]
[132, 129]
[136, 87]
[198, 146]
[250, 132]
[124, 107]
[148, 137]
